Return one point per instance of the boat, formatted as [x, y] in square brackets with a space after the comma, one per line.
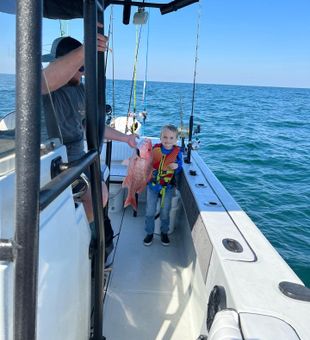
[219, 279]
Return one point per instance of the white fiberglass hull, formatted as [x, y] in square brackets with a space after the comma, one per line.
[157, 292]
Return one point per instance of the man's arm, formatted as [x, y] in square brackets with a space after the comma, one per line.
[60, 71]
[113, 134]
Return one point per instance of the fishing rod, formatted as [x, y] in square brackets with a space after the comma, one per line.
[143, 114]
[191, 119]
[133, 83]
[182, 132]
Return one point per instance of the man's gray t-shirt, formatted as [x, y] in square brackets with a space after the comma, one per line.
[69, 106]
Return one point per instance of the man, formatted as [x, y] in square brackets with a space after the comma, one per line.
[62, 78]
[65, 97]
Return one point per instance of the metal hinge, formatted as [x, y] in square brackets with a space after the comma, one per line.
[8, 249]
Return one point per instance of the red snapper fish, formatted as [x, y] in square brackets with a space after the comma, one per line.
[139, 171]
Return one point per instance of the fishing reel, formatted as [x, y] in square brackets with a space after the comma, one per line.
[196, 143]
[132, 124]
[108, 114]
[196, 140]
[134, 127]
[183, 132]
[198, 129]
[143, 116]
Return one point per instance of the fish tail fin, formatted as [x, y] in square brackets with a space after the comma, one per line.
[126, 182]
[131, 200]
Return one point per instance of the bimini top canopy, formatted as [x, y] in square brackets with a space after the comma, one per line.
[71, 9]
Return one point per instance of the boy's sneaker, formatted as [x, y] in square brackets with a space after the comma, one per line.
[164, 239]
[148, 239]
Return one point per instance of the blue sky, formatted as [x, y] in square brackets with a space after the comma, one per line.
[244, 42]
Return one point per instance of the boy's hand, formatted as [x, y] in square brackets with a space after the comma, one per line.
[172, 166]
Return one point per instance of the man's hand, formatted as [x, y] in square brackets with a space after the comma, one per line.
[102, 42]
[131, 140]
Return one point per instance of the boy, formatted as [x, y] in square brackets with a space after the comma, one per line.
[167, 162]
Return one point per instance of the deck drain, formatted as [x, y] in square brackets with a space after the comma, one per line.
[200, 185]
[232, 245]
[193, 172]
[212, 204]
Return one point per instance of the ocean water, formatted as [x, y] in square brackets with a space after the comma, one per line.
[255, 140]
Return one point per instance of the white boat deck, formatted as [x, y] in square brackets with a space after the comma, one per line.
[148, 295]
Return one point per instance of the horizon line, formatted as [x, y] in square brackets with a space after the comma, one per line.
[203, 83]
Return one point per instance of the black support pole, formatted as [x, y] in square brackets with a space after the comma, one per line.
[91, 88]
[28, 91]
[101, 83]
[102, 98]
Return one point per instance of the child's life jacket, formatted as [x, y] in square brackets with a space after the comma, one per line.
[162, 176]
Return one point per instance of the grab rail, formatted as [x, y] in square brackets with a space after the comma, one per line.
[58, 184]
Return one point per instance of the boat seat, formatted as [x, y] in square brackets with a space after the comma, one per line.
[118, 172]
[120, 152]
[225, 326]
[120, 124]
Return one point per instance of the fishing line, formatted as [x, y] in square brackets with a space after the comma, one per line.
[144, 93]
[63, 27]
[135, 78]
[55, 124]
[138, 39]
